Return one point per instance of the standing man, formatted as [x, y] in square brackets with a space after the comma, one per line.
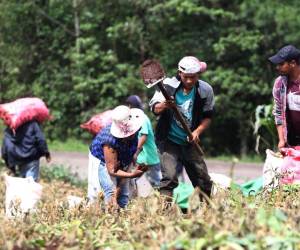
[286, 94]
[24, 148]
[195, 100]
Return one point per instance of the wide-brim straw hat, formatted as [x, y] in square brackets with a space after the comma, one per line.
[126, 121]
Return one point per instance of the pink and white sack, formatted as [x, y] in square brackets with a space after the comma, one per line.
[23, 110]
[290, 168]
[97, 122]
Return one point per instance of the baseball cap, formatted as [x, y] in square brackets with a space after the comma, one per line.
[191, 65]
[286, 53]
[135, 102]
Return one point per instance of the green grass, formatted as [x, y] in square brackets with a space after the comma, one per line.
[61, 173]
[70, 145]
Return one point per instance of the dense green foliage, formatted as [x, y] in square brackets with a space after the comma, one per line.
[82, 57]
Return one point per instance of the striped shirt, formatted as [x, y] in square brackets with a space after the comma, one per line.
[280, 102]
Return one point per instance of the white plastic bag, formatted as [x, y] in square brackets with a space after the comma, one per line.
[272, 169]
[220, 181]
[93, 180]
[74, 201]
[21, 195]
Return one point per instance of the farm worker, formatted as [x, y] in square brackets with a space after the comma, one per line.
[146, 153]
[114, 147]
[24, 148]
[195, 100]
[286, 94]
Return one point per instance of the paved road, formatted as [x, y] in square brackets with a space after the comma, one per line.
[78, 163]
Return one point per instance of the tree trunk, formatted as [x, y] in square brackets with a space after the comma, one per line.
[76, 25]
[243, 138]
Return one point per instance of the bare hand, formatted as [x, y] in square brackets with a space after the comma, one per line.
[169, 104]
[48, 158]
[137, 173]
[194, 138]
[142, 167]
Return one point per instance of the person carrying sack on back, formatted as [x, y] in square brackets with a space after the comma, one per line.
[195, 100]
[286, 94]
[24, 148]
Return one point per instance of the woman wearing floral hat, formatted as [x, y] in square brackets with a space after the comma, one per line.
[115, 147]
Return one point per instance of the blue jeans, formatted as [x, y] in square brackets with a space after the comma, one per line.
[30, 169]
[109, 183]
[154, 175]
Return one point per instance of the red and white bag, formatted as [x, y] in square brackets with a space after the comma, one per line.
[290, 168]
[97, 122]
[23, 110]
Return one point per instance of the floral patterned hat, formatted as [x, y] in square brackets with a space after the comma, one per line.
[126, 121]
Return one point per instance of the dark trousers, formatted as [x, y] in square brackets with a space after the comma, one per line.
[172, 153]
[293, 140]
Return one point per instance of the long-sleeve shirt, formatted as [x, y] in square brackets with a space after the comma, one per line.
[27, 144]
[280, 103]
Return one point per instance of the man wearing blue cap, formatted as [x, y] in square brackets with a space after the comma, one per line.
[286, 94]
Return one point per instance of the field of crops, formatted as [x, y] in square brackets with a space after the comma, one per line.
[270, 220]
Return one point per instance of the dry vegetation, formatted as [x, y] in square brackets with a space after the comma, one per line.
[229, 221]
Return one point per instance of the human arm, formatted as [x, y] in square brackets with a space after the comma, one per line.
[200, 129]
[280, 133]
[141, 143]
[278, 110]
[157, 103]
[206, 93]
[112, 164]
[160, 107]
[41, 141]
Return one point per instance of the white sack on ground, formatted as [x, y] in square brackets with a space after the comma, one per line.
[272, 169]
[21, 195]
[220, 181]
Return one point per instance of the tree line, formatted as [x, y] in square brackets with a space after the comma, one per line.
[82, 56]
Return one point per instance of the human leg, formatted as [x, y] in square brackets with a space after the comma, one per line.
[169, 158]
[107, 183]
[154, 175]
[30, 169]
[123, 193]
[196, 169]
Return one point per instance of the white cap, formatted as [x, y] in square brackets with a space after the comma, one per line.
[191, 65]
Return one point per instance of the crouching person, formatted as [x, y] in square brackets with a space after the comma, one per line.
[115, 147]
